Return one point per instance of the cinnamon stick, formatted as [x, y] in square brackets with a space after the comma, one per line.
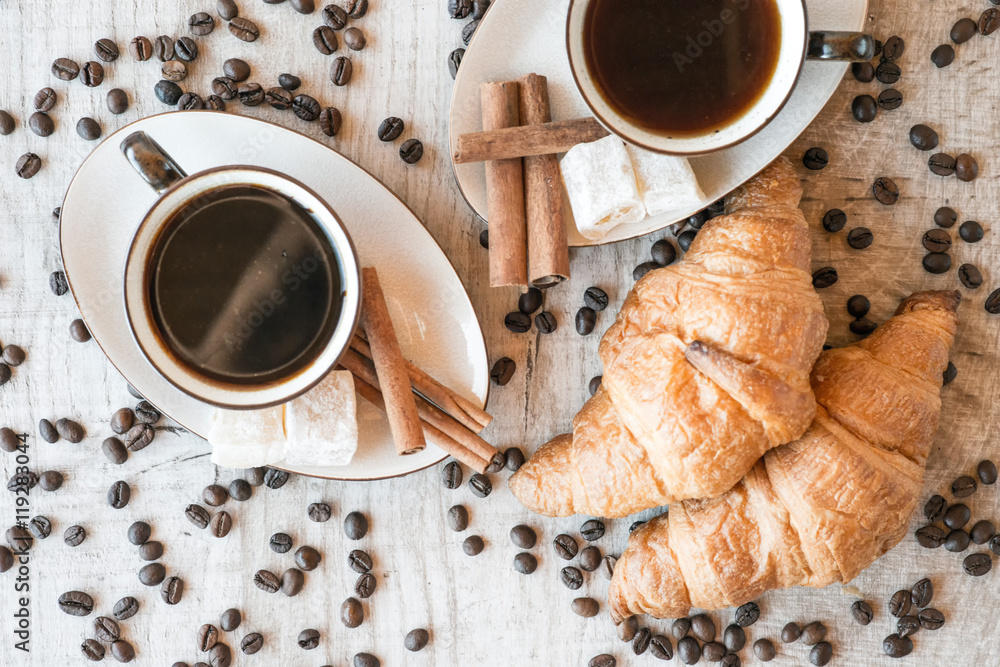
[363, 370]
[544, 139]
[548, 250]
[469, 458]
[465, 411]
[391, 368]
[505, 191]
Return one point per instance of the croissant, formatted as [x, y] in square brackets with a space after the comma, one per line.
[705, 369]
[821, 509]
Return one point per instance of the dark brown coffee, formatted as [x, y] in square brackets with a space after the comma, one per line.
[682, 68]
[244, 285]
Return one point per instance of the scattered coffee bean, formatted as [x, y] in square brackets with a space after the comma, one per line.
[680, 628]
[275, 478]
[572, 578]
[139, 532]
[341, 71]
[764, 650]
[860, 238]
[931, 537]
[266, 581]
[893, 49]
[502, 371]
[480, 485]
[230, 620]
[585, 607]
[888, 73]
[930, 619]
[923, 138]
[895, 646]
[366, 660]
[862, 612]
[451, 475]
[734, 638]
[815, 159]
[834, 220]
[41, 124]
[152, 574]
[208, 636]
[950, 373]
[747, 614]
[244, 29]
[355, 525]
[922, 593]
[703, 627]
[221, 524]
[517, 322]
[971, 231]
[354, 39]
[390, 129]
[365, 585]
[597, 299]
[963, 487]
[825, 277]
[790, 633]
[525, 563]
[45, 99]
[858, 306]
[65, 69]
[821, 654]
[815, 632]
[307, 558]
[122, 651]
[977, 565]
[319, 512]
[992, 304]
[685, 239]
[7, 123]
[201, 24]
[713, 651]
[138, 437]
[863, 72]
[125, 608]
[937, 240]
[119, 494]
[595, 384]
[330, 121]
[352, 614]
[966, 168]
[19, 539]
[171, 592]
[361, 562]
[945, 217]
[74, 536]
[240, 490]
[885, 191]
[292, 581]
[970, 276]
[252, 643]
[937, 263]
[186, 49]
[455, 61]
[416, 640]
[50, 480]
[70, 430]
[957, 541]
[325, 40]
[987, 472]
[641, 641]
[689, 650]
[40, 527]
[864, 108]
[890, 99]
[92, 74]
[523, 537]
[899, 603]
[411, 151]
[251, 94]
[356, 9]
[941, 164]
[565, 546]
[92, 650]
[473, 546]
[214, 495]
[27, 166]
[964, 30]
[957, 515]
[197, 515]
[168, 92]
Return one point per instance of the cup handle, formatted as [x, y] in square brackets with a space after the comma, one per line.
[152, 162]
[843, 46]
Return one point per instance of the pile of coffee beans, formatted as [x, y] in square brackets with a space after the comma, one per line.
[529, 303]
[912, 611]
[865, 108]
[474, 10]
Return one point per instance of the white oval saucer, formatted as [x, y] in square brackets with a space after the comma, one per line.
[435, 322]
[517, 37]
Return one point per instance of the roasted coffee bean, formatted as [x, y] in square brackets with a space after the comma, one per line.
[764, 650]
[208, 636]
[963, 487]
[970, 276]
[125, 608]
[469, 31]
[713, 651]
[40, 527]
[689, 650]
[325, 40]
[92, 74]
[355, 39]
[513, 459]
[971, 231]
[821, 654]
[352, 614]
[186, 49]
[703, 627]
[251, 643]
[977, 565]
[361, 562]
[734, 638]
[530, 301]
[244, 29]
[45, 99]
[215, 103]
[899, 603]
[815, 632]
[65, 69]
[19, 539]
[139, 532]
[122, 651]
[251, 94]
[240, 490]
[70, 430]
[50, 480]
[572, 578]
[863, 72]
[888, 73]
[937, 263]
[451, 475]
[815, 159]
[307, 558]
[893, 49]
[595, 384]
[390, 129]
[862, 612]
[950, 373]
[330, 121]
[937, 240]
[225, 87]
[597, 299]
[747, 614]
[455, 61]
[256, 476]
[168, 92]
[496, 463]
[356, 9]
[945, 217]
[964, 30]
[411, 151]
[227, 9]
[858, 306]
[459, 9]
[27, 166]
[922, 593]
[303, 6]
[660, 647]
[525, 563]
[121, 420]
[319, 512]
[230, 620]
[220, 656]
[139, 436]
[586, 320]
[885, 191]
[7, 123]
[22, 483]
[9, 442]
[201, 24]
[355, 525]
[957, 541]
[163, 48]
[214, 495]
[890, 99]
[365, 585]
[790, 633]
[140, 48]
[987, 472]
[266, 581]
[585, 607]
[966, 168]
[502, 371]
[221, 524]
[989, 21]
[565, 546]
[957, 515]
[292, 581]
[198, 515]
[416, 640]
[88, 129]
[308, 639]
[680, 628]
[335, 17]
[305, 107]
[13, 355]
[92, 650]
[860, 238]
[517, 322]
[236, 70]
[895, 646]
[930, 619]
[864, 108]
[923, 138]
[992, 304]
[473, 546]
[941, 164]
[152, 574]
[685, 239]
[592, 530]
[825, 277]
[151, 550]
[931, 537]
[480, 485]
[366, 660]
[523, 537]
[275, 478]
[834, 220]
[41, 124]
[119, 494]
[341, 71]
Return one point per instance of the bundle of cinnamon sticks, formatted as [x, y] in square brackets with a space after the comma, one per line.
[418, 407]
[524, 195]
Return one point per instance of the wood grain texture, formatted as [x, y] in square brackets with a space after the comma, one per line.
[477, 609]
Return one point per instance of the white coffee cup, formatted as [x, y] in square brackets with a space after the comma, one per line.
[798, 44]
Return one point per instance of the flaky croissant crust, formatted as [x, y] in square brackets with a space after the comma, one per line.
[821, 509]
[705, 369]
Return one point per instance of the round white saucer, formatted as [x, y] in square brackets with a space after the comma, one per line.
[435, 322]
[517, 37]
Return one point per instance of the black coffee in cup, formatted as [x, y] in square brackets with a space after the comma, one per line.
[682, 68]
[244, 285]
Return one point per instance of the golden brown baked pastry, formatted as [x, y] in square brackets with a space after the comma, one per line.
[821, 509]
[705, 369]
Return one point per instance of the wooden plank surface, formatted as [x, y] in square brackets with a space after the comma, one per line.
[478, 610]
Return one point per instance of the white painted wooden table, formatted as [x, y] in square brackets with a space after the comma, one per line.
[478, 610]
